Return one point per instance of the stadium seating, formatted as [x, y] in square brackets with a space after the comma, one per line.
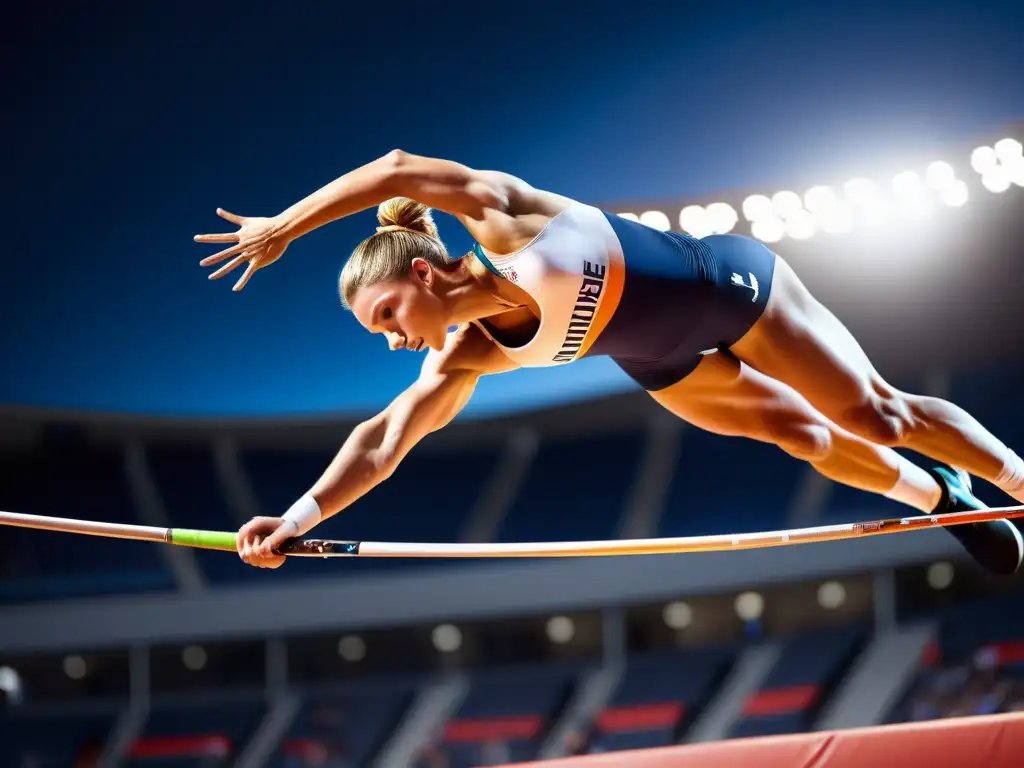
[975, 666]
[807, 671]
[72, 480]
[193, 498]
[510, 709]
[345, 727]
[576, 489]
[985, 394]
[208, 732]
[58, 739]
[728, 485]
[658, 697]
[428, 498]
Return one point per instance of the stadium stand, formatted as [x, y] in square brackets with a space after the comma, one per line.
[706, 496]
[345, 727]
[507, 712]
[659, 695]
[597, 473]
[66, 478]
[805, 675]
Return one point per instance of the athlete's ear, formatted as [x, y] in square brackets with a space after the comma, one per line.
[423, 271]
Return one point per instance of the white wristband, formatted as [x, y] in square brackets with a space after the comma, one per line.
[304, 514]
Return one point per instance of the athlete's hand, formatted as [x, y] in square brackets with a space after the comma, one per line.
[257, 540]
[259, 242]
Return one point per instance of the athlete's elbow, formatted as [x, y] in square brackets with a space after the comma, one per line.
[394, 160]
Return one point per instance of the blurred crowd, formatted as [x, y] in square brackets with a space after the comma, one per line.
[976, 687]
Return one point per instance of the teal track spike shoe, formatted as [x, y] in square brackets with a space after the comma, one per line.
[996, 545]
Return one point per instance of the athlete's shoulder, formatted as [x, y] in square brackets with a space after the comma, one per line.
[467, 348]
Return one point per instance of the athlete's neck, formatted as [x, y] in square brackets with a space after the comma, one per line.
[473, 294]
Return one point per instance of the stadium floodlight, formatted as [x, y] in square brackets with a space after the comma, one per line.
[907, 184]
[984, 159]
[940, 175]
[940, 575]
[819, 199]
[352, 648]
[831, 595]
[801, 225]
[996, 179]
[721, 218]
[560, 629]
[786, 203]
[447, 638]
[956, 195]
[1008, 150]
[629, 216]
[836, 220]
[749, 606]
[1015, 173]
[757, 207]
[677, 615]
[862, 193]
[194, 657]
[75, 667]
[656, 220]
[768, 230]
[694, 219]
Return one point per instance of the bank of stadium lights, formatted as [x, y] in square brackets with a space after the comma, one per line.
[1000, 165]
[716, 219]
[910, 194]
[697, 220]
[656, 220]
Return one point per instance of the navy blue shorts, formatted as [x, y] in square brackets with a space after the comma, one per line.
[683, 297]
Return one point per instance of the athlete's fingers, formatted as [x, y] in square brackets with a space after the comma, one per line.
[221, 237]
[249, 272]
[284, 532]
[256, 555]
[234, 218]
[231, 265]
[218, 257]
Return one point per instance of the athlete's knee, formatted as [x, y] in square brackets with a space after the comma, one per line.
[883, 418]
[803, 438]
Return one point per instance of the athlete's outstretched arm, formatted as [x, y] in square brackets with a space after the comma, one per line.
[442, 184]
[375, 447]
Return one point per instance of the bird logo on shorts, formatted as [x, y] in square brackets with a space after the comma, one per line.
[737, 279]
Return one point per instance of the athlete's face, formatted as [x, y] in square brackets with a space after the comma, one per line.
[407, 311]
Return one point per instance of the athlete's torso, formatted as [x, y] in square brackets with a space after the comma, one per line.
[608, 286]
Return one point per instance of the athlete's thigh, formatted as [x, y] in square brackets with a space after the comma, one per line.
[725, 396]
[799, 341]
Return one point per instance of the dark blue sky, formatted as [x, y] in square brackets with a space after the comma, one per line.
[125, 127]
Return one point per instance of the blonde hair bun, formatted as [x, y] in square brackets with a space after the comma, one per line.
[401, 212]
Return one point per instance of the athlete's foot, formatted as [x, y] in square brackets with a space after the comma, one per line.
[997, 544]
